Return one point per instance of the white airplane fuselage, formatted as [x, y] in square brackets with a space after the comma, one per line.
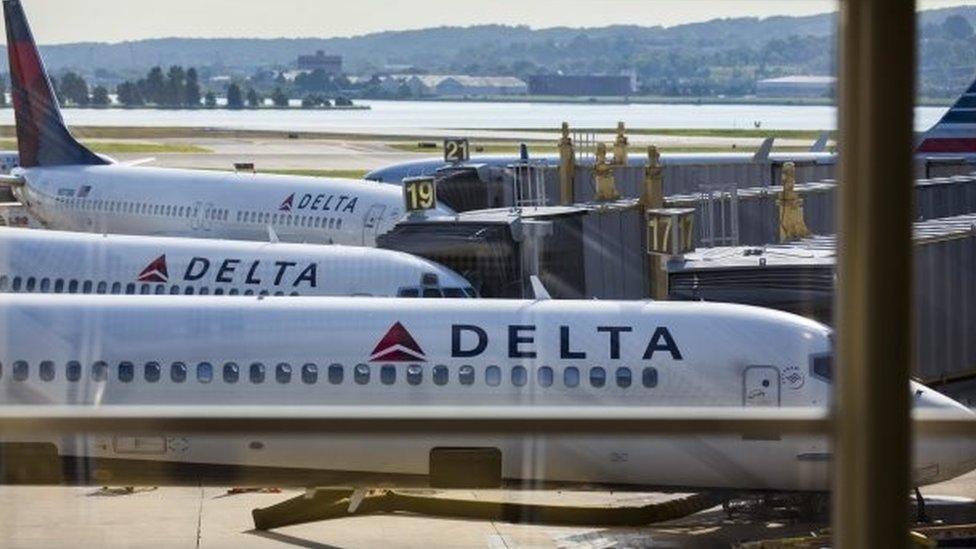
[44, 261]
[127, 350]
[193, 203]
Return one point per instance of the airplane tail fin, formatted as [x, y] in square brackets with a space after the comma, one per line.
[955, 133]
[42, 137]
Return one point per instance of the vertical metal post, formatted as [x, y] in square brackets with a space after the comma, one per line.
[872, 431]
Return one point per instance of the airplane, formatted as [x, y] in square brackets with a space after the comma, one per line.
[110, 350]
[953, 136]
[44, 261]
[68, 187]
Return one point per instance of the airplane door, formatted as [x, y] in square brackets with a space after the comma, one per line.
[760, 386]
[371, 223]
[197, 215]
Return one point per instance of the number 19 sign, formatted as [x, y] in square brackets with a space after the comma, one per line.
[419, 194]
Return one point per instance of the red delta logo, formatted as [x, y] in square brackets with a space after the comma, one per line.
[397, 346]
[155, 271]
[287, 204]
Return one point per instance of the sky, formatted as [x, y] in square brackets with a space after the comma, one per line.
[62, 21]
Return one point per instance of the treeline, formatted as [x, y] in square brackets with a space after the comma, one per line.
[178, 88]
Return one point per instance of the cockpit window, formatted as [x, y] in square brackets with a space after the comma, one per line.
[409, 292]
[822, 367]
[453, 292]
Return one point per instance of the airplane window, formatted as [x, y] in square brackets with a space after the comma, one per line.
[571, 376]
[408, 292]
[453, 292]
[188, 290]
[30, 284]
[151, 372]
[16, 285]
[310, 373]
[102, 287]
[127, 371]
[72, 370]
[180, 212]
[116, 288]
[232, 372]
[99, 371]
[130, 288]
[204, 372]
[466, 375]
[86, 287]
[47, 370]
[335, 374]
[545, 376]
[145, 289]
[317, 222]
[218, 291]
[233, 291]
[45, 285]
[274, 219]
[415, 374]
[21, 370]
[361, 374]
[205, 291]
[598, 377]
[623, 377]
[279, 293]
[822, 367]
[493, 376]
[331, 222]
[283, 373]
[169, 209]
[160, 289]
[338, 224]
[73, 287]
[155, 209]
[294, 294]
[519, 376]
[177, 372]
[649, 377]
[263, 293]
[4, 281]
[440, 375]
[388, 374]
[174, 290]
[248, 292]
[238, 216]
[257, 373]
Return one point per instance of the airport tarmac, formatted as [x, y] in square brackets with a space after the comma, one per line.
[213, 518]
[274, 152]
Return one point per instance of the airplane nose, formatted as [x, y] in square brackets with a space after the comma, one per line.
[939, 456]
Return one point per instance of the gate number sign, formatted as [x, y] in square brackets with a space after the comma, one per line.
[419, 193]
[456, 150]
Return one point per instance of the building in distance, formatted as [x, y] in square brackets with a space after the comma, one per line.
[425, 85]
[797, 86]
[331, 64]
[582, 85]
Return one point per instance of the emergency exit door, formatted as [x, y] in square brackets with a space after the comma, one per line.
[761, 386]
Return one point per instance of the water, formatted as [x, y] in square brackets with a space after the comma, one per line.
[402, 117]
